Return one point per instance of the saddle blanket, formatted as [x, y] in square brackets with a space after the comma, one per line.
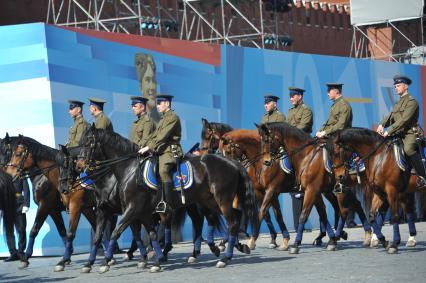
[285, 164]
[352, 163]
[185, 168]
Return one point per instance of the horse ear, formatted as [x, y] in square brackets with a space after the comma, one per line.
[206, 123]
[64, 149]
[93, 127]
[21, 138]
[256, 125]
[7, 138]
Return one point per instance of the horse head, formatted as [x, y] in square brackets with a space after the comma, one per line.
[270, 143]
[5, 150]
[21, 158]
[210, 135]
[89, 149]
[339, 154]
[66, 164]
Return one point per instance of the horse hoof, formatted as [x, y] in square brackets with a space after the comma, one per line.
[155, 268]
[317, 242]
[221, 248]
[59, 268]
[331, 248]
[294, 250]
[142, 264]
[251, 244]
[86, 269]
[112, 262]
[127, 257]
[104, 268]
[67, 262]
[344, 235]
[272, 245]
[220, 264]
[284, 245]
[192, 259]
[411, 242]
[23, 264]
[392, 250]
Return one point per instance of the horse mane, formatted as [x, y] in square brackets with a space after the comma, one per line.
[113, 140]
[7, 200]
[355, 135]
[37, 149]
[287, 130]
[220, 127]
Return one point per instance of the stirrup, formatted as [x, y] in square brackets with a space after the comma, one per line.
[161, 207]
[420, 182]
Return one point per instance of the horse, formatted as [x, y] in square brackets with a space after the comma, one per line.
[269, 182]
[211, 134]
[211, 189]
[385, 178]
[30, 155]
[7, 206]
[305, 155]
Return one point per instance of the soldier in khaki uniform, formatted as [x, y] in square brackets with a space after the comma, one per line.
[403, 121]
[272, 114]
[79, 126]
[340, 116]
[301, 117]
[143, 126]
[96, 110]
[165, 138]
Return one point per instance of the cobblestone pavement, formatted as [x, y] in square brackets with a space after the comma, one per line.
[350, 263]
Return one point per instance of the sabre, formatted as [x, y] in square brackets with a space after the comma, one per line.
[419, 144]
[176, 155]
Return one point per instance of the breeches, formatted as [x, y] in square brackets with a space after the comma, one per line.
[410, 145]
[166, 163]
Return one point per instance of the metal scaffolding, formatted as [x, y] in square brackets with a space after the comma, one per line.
[234, 22]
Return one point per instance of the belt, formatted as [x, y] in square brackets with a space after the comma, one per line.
[18, 195]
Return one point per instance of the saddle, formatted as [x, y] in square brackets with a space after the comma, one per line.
[354, 166]
[148, 174]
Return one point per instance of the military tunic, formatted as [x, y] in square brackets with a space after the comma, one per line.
[77, 129]
[103, 122]
[167, 134]
[274, 116]
[142, 129]
[301, 117]
[340, 117]
[401, 120]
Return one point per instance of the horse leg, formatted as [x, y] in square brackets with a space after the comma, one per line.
[75, 213]
[213, 220]
[343, 200]
[101, 216]
[357, 207]
[232, 217]
[264, 214]
[320, 206]
[197, 223]
[410, 210]
[393, 200]
[136, 232]
[280, 219]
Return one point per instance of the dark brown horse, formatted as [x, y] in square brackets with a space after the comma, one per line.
[385, 178]
[268, 181]
[305, 155]
[29, 155]
[210, 138]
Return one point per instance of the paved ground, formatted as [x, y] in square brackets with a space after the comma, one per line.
[350, 263]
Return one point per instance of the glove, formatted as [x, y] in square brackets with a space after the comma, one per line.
[25, 209]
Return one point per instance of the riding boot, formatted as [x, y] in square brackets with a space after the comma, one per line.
[168, 190]
[416, 162]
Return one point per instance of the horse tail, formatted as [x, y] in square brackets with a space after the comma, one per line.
[178, 219]
[247, 197]
[8, 200]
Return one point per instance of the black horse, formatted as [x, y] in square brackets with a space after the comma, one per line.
[217, 181]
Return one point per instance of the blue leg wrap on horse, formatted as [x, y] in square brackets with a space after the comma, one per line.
[285, 233]
[322, 227]
[106, 244]
[376, 229]
[329, 229]
[340, 226]
[396, 234]
[366, 225]
[197, 243]
[141, 248]
[411, 225]
[167, 236]
[157, 249]
[271, 229]
[68, 250]
[210, 231]
[30, 247]
[299, 232]
[93, 252]
[64, 240]
[110, 250]
[230, 248]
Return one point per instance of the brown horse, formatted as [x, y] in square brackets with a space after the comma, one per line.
[210, 138]
[27, 155]
[305, 155]
[385, 178]
[269, 182]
